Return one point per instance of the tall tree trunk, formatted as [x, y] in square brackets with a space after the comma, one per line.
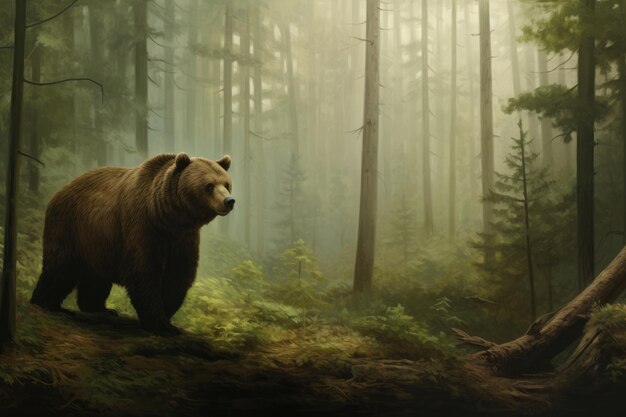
[364, 267]
[547, 157]
[439, 133]
[452, 176]
[70, 21]
[472, 100]
[531, 79]
[585, 152]
[9, 265]
[96, 51]
[228, 89]
[567, 147]
[141, 77]
[192, 40]
[486, 122]
[529, 252]
[169, 115]
[258, 130]
[426, 157]
[33, 143]
[245, 115]
[228, 78]
[291, 92]
[513, 49]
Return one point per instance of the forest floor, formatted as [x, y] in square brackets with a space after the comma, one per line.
[90, 365]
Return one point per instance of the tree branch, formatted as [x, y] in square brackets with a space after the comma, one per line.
[31, 157]
[67, 80]
[66, 8]
[7, 47]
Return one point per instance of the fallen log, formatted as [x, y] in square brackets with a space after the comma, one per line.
[533, 351]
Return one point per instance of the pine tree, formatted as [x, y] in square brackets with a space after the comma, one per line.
[527, 222]
[402, 228]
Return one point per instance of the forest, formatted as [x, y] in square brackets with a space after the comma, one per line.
[430, 217]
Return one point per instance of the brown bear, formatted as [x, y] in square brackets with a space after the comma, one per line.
[136, 227]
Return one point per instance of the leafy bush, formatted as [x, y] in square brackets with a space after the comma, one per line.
[400, 332]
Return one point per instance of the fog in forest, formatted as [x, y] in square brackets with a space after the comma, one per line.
[280, 85]
[417, 182]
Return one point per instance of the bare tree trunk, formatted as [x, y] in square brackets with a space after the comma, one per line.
[364, 267]
[531, 79]
[34, 145]
[292, 92]
[472, 100]
[228, 89]
[258, 129]
[9, 266]
[547, 157]
[486, 121]
[548, 337]
[169, 116]
[566, 147]
[190, 125]
[245, 115]
[96, 51]
[453, 92]
[585, 154]
[513, 49]
[141, 78]
[426, 157]
[228, 78]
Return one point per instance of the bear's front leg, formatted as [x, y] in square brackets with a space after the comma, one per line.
[147, 301]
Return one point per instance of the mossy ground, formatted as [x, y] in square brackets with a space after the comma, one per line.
[89, 364]
[95, 365]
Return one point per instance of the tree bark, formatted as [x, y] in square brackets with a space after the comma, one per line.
[472, 99]
[486, 121]
[96, 50]
[546, 338]
[426, 157]
[585, 147]
[9, 266]
[228, 90]
[169, 115]
[258, 129]
[547, 157]
[245, 115]
[364, 267]
[292, 92]
[513, 49]
[192, 40]
[452, 176]
[531, 84]
[34, 139]
[141, 78]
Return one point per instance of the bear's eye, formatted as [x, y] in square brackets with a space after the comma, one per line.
[209, 188]
[228, 187]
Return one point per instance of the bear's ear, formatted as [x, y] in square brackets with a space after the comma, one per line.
[224, 162]
[182, 160]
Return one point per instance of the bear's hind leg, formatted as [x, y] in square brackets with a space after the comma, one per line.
[92, 294]
[54, 285]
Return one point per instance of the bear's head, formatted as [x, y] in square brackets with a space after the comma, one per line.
[204, 187]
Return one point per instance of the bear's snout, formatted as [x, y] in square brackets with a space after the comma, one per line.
[229, 203]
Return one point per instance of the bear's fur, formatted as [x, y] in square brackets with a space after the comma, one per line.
[136, 227]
